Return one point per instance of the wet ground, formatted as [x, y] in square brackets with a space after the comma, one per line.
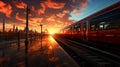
[44, 52]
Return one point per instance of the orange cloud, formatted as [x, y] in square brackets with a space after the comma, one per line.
[33, 8]
[51, 18]
[51, 4]
[66, 11]
[84, 5]
[58, 24]
[19, 18]
[76, 12]
[60, 15]
[2, 4]
[34, 23]
[42, 10]
[21, 5]
[55, 19]
[35, 20]
[6, 9]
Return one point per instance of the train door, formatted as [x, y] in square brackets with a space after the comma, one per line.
[84, 30]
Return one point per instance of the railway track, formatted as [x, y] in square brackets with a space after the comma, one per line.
[87, 56]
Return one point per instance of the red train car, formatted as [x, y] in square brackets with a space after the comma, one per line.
[103, 26]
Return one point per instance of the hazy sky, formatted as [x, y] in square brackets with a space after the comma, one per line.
[53, 14]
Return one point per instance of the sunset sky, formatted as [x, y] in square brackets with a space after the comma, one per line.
[53, 14]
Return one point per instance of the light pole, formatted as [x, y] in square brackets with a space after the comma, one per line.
[41, 28]
[3, 25]
[27, 28]
[41, 25]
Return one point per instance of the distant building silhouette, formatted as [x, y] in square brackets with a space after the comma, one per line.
[3, 25]
[16, 30]
[13, 28]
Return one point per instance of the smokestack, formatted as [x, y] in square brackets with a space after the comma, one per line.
[3, 25]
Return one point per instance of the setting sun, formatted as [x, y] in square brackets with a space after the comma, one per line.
[51, 31]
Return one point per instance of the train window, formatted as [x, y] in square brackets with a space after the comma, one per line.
[78, 28]
[74, 29]
[101, 27]
[75, 26]
[67, 29]
[114, 25]
[109, 20]
[105, 26]
[92, 27]
[84, 26]
[113, 22]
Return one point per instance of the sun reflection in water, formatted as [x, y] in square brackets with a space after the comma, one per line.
[52, 43]
[50, 47]
[51, 39]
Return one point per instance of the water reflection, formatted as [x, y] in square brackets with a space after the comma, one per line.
[26, 60]
[2, 53]
[18, 38]
[52, 40]
[51, 54]
[50, 47]
[54, 59]
[41, 42]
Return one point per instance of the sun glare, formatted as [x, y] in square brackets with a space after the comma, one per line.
[52, 32]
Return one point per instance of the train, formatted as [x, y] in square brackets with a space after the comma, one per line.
[102, 26]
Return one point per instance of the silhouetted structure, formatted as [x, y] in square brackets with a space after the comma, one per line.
[41, 34]
[16, 30]
[26, 38]
[18, 36]
[13, 28]
[3, 25]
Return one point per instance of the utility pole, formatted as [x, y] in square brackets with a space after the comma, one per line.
[41, 28]
[26, 35]
[41, 34]
[3, 25]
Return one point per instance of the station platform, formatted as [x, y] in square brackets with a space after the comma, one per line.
[44, 52]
